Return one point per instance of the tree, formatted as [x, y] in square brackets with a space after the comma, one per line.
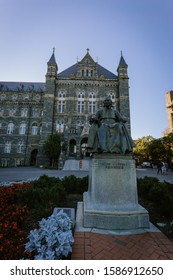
[141, 148]
[157, 150]
[52, 148]
[150, 149]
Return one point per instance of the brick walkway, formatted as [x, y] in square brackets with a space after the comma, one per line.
[145, 246]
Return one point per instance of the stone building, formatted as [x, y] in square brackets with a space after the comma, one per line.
[30, 112]
[169, 109]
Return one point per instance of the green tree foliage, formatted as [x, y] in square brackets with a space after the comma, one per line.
[168, 145]
[150, 149]
[157, 150]
[141, 148]
[52, 148]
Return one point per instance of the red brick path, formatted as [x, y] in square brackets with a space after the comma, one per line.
[145, 246]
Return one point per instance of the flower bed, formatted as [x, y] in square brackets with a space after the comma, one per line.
[23, 205]
[12, 223]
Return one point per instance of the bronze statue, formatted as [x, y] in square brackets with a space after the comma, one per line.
[108, 132]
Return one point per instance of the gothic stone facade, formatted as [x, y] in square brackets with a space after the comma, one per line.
[31, 112]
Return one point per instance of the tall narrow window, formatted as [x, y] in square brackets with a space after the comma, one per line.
[61, 102]
[81, 104]
[20, 147]
[22, 128]
[7, 148]
[92, 103]
[34, 130]
[10, 128]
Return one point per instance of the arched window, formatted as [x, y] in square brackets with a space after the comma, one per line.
[24, 112]
[10, 128]
[22, 128]
[80, 104]
[20, 147]
[79, 123]
[61, 102]
[92, 103]
[7, 148]
[34, 130]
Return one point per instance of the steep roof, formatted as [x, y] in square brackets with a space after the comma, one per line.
[122, 62]
[87, 62]
[22, 86]
[100, 71]
[52, 60]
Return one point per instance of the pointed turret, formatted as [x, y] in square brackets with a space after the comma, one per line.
[123, 85]
[122, 68]
[52, 67]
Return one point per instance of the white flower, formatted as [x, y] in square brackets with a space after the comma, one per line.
[53, 239]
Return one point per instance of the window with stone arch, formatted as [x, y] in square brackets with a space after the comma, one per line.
[7, 147]
[81, 103]
[24, 112]
[92, 103]
[20, 147]
[79, 123]
[34, 129]
[61, 102]
[22, 129]
[10, 128]
[60, 126]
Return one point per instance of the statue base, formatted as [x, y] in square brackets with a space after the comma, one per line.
[111, 201]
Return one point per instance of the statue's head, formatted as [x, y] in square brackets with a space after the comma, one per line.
[107, 102]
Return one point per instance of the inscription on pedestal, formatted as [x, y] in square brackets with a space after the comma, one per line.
[112, 165]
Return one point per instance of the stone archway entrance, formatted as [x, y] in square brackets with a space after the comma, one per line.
[72, 148]
[33, 157]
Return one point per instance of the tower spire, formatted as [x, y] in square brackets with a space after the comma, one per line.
[52, 65]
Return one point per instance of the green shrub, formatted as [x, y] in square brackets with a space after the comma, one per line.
[144, 186]
[75, 185]
[45, 181]
[45, 193]
[49, 192]
[159, 193]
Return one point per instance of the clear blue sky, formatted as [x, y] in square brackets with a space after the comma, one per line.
[142, 29]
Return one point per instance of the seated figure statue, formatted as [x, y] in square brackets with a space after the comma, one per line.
[108, 132]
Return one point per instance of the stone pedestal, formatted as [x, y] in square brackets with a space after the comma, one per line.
[111, 201]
